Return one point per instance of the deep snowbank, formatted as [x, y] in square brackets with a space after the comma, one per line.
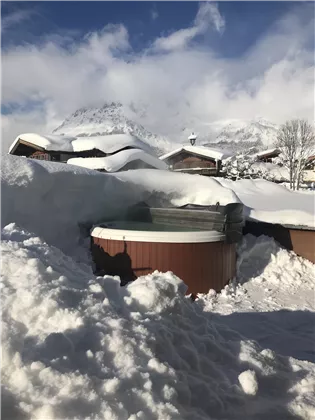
[269, 202]
[53, 199]
[79, 346]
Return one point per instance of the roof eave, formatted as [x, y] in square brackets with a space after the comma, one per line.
[19, 141]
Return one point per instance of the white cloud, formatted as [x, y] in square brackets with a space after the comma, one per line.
[15, 17]
[177, 40]
[208, 16]
[24, 122]
[183, 88]
[154, 13]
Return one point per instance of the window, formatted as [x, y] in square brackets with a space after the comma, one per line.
[40, 156]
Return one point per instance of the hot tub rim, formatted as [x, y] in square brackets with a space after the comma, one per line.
[203, 236]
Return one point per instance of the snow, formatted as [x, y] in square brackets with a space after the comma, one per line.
[248, 381]
[39, 194]
[263, 200]
[266, 152]
[272, 203]
[109, 119]
[107, 144]
[201, 151]
[75, 345]
[271, 300]
[272, 171]
[258, 130]
[110, 143]
[47, 142]
[177, 189]
[117, 161]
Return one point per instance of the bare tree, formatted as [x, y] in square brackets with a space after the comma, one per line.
[296, 140]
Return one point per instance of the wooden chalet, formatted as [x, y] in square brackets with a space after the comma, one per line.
[268, 155]
[196, 160]
[33, 151]
[108, 153]
[62, 148]
[310, 162]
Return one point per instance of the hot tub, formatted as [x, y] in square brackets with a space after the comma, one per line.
[200, 257]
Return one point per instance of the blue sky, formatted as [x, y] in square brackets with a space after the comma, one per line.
[145, 21]
[184, 63]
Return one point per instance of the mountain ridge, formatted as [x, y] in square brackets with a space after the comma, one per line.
[109, 119]
[114, 118]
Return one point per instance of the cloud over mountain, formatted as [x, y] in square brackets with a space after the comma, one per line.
[177, 87]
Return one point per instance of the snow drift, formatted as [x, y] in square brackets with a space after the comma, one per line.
[272, 203]
[271, 300]
[79, 346]
[54, 199]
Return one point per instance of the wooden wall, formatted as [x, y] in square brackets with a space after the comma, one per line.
[187, 160]
[194, 162]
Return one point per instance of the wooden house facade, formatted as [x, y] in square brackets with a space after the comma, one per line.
[196, 160]
[267, 156]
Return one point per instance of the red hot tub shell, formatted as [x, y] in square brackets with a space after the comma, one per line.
[200, 258]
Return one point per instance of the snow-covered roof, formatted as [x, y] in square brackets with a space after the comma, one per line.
[192, 137]
[117, 161]
[266, 152]
[108, 144]
[47, 142]
[201, 151]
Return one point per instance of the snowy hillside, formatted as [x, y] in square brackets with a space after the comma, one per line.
[113, 118]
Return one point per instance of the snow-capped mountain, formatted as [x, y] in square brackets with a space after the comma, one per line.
[110, 119]
[115, 118]
[242, 133]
